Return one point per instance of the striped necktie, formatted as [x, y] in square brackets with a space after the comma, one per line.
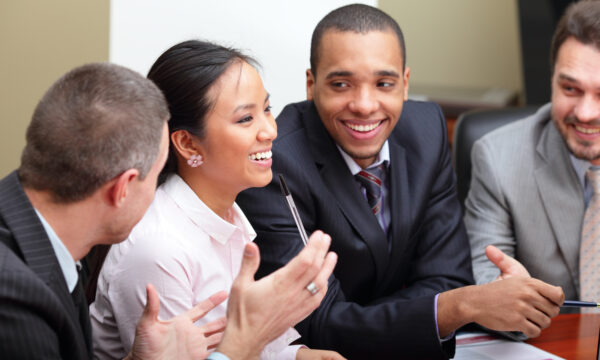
[589, 250]
[370, 179]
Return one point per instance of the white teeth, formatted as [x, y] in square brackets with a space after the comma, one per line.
[362, 128]
[261, 155]
[587, 131]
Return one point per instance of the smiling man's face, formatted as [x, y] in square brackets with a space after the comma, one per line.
[359, 89]
[576, 98]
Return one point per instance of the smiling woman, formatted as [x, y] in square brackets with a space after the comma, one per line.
[191, 241]
[237, 134]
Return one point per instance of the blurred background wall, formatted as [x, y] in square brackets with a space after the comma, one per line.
[40, 41]
[277, 33]
[459, 46]
[460, 43]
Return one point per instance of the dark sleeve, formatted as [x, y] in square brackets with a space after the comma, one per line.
[25, 332]
[442, 259]
[383, 329]
[397, 324]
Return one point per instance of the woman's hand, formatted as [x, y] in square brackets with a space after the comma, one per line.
[260, 311]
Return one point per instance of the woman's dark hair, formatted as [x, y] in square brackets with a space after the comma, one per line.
[185, 73]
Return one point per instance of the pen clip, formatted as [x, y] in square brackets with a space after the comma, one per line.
[283, 185]
[288, 196]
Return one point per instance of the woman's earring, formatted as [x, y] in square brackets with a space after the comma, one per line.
[195, 161]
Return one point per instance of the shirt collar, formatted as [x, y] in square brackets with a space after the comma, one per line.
[201, 215]
[65, 260]
[581, 167]
[382, 157]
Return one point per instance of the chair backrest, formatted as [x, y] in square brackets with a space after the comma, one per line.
[471, 126]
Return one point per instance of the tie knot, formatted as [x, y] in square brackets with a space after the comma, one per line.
[374, 175]
[371, 180]
[593, 176]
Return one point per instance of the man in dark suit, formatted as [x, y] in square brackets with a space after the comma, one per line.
[373, 170]
[95, 146]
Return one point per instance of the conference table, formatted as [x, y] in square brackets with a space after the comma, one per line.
[571, 336]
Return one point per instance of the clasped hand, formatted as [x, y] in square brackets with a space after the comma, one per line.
[516, 300]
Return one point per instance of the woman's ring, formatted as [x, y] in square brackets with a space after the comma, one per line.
[312, 288]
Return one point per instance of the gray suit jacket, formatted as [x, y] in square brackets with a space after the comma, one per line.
[38, 317]
[525, 198]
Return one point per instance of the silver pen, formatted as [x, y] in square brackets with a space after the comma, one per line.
[295, 214]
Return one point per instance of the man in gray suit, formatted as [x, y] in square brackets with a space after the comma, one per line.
[529, 190]
[95, 146]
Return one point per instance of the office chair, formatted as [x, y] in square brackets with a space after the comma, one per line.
[471, 126]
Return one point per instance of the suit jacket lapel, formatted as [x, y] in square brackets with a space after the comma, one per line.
[400, 209]
[27, 229]
[340, 182]
[399, 202]
[32, 240]
[564, 208]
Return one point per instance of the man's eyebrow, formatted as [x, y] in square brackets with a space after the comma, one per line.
[387, 73]
[342, 73]
[567, 78]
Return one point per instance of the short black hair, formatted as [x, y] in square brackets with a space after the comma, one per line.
[358, 18]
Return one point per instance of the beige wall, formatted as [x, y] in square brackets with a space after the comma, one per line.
[460, 43]
[39, 41]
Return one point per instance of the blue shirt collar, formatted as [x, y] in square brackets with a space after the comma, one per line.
[580, 167]
[65, 260]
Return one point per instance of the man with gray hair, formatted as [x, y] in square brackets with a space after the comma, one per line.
[95, 146]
